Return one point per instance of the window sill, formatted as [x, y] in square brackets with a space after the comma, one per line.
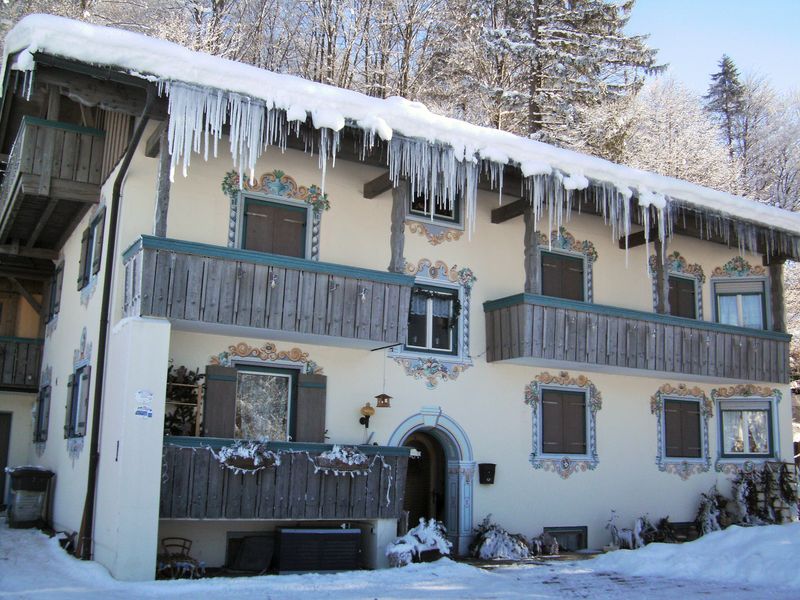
[732, 465]
[431, 367]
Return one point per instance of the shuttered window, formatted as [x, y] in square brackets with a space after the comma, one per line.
[253, 402]
[91, 249]
[682, 436]
[54, 292]
[563, 422]
[682, 298]
[741, 303]
[42, 419]
[274, 227]
[562, 276]
[77, 403]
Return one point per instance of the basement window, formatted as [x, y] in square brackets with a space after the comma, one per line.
[571, 539]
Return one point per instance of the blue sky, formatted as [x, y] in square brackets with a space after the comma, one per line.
[760, 36]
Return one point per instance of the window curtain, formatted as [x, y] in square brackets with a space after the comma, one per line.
[442, 304]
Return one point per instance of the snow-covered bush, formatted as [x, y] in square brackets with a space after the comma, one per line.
[428, 535]
[545, 543]
[246, 457]
[708, 515]
[494, 542]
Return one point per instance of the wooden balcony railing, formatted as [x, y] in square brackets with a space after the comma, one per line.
[194, 484]
[187, 281]
[20, 361]
[53, 176]
[534, 329]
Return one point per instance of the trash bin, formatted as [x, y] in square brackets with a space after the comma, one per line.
[30, 490]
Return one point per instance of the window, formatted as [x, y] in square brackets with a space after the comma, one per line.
[77, 403]
[746, 428]
[563, 422]
[570, 539]
[264, 403]
[42, 418]
[274, 227]
[54, 294]
[441, 209]
[562, 276]
[741, 303]
[433, 319]
[682, 297]
[91, 249]
[682, 437]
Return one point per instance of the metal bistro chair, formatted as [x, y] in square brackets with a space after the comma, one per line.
[176, 563]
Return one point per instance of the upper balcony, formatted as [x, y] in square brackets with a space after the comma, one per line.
[213, 288]
[20, 359]
[543, 330]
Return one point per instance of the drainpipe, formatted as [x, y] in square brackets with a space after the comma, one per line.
[84, 547]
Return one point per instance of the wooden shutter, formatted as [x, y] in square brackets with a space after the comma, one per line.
[99, 231]
[672, 428]
[59, 284]
[562, 276]
[82, 271]
[552, 422]
[70, 400]
[551, 279]
[690, 422]
[42, 415]
[219, 402]
[574, 412]
[275, 228]
[682, 429]
[83, 402]
[310, 408]
[682, 302]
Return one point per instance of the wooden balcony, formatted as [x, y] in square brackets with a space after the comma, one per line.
[195, 485]
[20, 361]
[52, 178]
[541, 330]
[213, 288]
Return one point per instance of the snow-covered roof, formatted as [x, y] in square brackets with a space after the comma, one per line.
[216, 80]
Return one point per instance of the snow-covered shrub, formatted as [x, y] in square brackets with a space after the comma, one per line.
[708, 515]
[246, 457]
[342, 459]
[428, 535]
[494, 542]
[545, 543]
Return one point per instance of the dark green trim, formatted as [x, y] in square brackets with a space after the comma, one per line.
[27, 120]
[262, 258]
[318, 386]
[627, 313]
[216, 443]
[767, 401]
[21, 340]
[220, 378]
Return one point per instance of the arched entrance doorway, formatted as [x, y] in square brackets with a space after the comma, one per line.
[442, 482]
[425, 479]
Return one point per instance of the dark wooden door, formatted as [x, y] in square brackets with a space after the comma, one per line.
[425, 480]
[275, 228]
[562, 276]
[5, 444]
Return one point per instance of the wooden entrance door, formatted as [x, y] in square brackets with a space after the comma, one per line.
[425, 481]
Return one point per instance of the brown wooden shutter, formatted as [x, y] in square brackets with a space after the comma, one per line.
[562, 276]
[673, 443]
[219, 403]
[42, 415]
[59, 284]
[82, 279]
[310, 408]
[682, 301]
[275, 228]
[682, 429]
[690, 420]
[551, 280]
[99, 230]
[70, 400]
[552, 422]
[574, 411]
[83, 401]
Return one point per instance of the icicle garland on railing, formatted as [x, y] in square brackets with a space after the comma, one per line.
[438, 171]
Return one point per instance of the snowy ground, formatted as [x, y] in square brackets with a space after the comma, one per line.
[734, 564]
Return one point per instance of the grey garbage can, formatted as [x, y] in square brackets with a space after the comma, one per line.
[30, 491]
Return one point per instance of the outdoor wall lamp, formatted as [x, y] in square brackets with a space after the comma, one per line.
[366, 412]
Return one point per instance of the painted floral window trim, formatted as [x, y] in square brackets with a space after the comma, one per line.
[436, 369]
[683, 467]
[747, 391]
[568, 464]
[267, 353]
[677, 265]
[563, 240]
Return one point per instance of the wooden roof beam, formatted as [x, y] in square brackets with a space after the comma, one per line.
[382, 183]
[26, 252]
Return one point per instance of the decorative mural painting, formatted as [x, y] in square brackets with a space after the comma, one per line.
[683, 467]
[436, 369]
[276, 184]
[563, 240]
[676, 265]
[563, 465]
[435, 234]
[739, 267]
[744, 391]
[267, 353]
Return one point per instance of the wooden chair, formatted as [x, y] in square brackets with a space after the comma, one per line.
[175, 562]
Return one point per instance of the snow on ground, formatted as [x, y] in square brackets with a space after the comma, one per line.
[734, 564]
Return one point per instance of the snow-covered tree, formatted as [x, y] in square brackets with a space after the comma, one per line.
[725, 101]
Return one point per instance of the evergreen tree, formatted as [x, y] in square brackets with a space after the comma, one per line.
[725, 101]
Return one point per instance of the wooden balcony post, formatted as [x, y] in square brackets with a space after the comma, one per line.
[776, 296]
[400, 197]
[162, 192]
[533, 262]
[662, 279]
